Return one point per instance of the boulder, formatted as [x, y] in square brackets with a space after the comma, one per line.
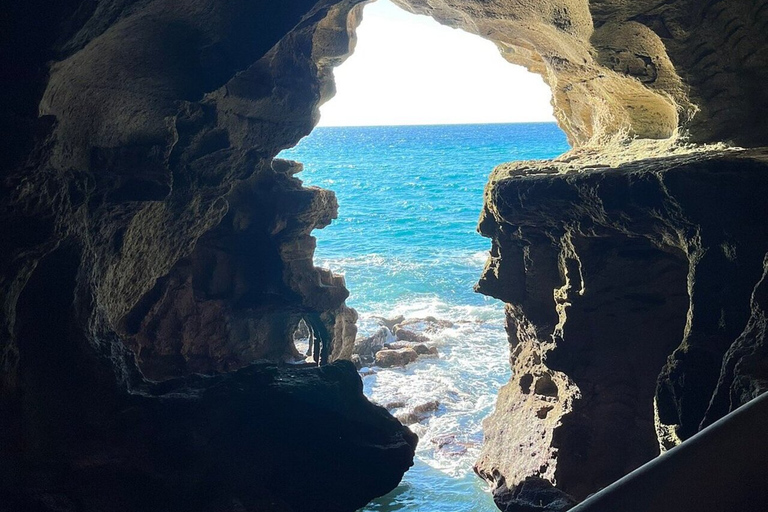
[418, 413]
[408, 335]
[424, 350]
[398, 357]
[366, 348]
[390, 323]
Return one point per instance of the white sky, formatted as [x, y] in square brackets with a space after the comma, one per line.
[409, 69]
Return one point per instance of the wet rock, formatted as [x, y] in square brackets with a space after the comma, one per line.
[395, 357]
[424, 350]
[449, 445]
[426, 325]
[397, 404]
[366, 348]
[407, 335]
[390, 323]
[420, 348]
[418, 413]
[427, 407]
[366, 370]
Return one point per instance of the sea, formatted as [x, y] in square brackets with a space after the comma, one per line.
[406, 241]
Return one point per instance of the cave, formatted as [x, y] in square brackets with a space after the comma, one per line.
[157, 259]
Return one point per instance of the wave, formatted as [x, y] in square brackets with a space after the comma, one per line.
[458, 387]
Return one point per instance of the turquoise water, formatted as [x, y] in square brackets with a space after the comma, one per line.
[406, 241]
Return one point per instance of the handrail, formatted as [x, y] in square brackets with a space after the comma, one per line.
[723, 468]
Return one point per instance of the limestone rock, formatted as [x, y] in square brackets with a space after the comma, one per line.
[406, 335]
[395, 357]
[418, 413]
[623, 294]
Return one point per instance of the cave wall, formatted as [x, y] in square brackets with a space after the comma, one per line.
[149, 233]
[644, 69]
[633, 290]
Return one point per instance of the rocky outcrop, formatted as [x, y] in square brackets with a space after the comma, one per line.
[411, 340]
[628, 310]
[230, 442]
[642, 69]
[148, 233]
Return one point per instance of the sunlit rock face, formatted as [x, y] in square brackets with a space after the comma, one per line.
[149, 235]
[642, 68]
[633, 290]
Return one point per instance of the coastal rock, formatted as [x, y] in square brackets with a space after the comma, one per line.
[418, 413]
[628, 302]
[395, 357]
[420, 348]
[406, 335]
[424, 350]
[366, 348]
[390, 323]
[426, 325]
[447, 444]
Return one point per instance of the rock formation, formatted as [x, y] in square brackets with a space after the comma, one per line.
[628, 288]
[149, 233]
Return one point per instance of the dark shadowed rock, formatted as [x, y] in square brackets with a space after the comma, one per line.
[533, 495]
[249, 431]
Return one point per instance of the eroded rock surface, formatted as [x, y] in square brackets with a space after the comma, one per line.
[148, 233]
[628, 289]
[640, 68]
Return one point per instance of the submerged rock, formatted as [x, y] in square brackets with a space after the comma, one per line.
[390, 323]
[418, 413]
[449, 445]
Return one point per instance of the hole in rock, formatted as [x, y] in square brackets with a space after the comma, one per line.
[422, 115]
[302, 338]
[545, 386]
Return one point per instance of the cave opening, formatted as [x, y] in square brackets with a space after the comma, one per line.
[418, 122]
